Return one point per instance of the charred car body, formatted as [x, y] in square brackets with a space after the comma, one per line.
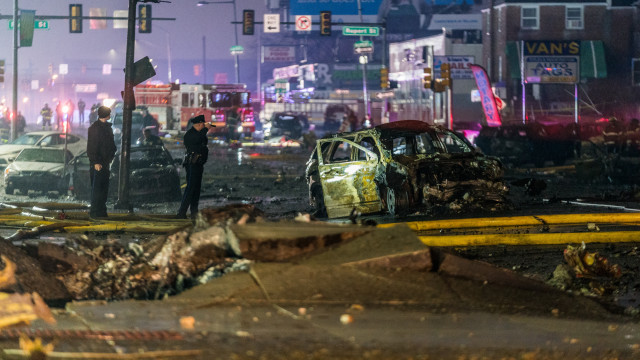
[400, 166]
[154, 176]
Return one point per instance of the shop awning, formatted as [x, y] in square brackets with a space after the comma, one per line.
[513, 59]
[592, 59]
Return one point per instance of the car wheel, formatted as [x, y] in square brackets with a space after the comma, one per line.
[8, 190]
[391, 201]
[397, 199]
[317, 197]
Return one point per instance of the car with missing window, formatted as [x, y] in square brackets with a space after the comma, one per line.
[153, 177]
[53, 139]
[39, 169]
[399, 167]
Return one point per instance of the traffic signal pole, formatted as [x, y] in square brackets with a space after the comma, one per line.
[127, 112]
[14, 104]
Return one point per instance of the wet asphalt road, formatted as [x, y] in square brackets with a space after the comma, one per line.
[273, 180]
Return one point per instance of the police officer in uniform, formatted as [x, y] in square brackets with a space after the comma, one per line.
[195, 142]
[101, 149]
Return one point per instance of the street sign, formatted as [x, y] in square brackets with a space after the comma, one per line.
[303, 22]
[272, 23]
[237, 50]
[361, 30]
[363, 44]
[281, 86]
[363, 47]
[38, 24]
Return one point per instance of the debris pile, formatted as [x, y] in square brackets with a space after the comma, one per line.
[587, 272]
[19, 308]
[589, 264]
[147, 269]
[467, 195]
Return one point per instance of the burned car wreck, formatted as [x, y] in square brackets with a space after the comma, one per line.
[400, 167]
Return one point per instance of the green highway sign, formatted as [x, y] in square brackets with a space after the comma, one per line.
[237, 50]
[363, 44]
[361, 30]
[363, 47]
[38, 24]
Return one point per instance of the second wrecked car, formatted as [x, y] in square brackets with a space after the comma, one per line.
[401, 166]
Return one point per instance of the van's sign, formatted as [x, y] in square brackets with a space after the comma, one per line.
[552, 48]
[551, 62]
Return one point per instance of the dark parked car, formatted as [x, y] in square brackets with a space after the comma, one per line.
[153, 175]
[535, 142]
[288, 124]
[399, 166]
[40, 169]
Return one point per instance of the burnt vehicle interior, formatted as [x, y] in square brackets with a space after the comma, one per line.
[398, 170]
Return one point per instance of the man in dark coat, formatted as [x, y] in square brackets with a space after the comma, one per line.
[100, 149]
[197, 152]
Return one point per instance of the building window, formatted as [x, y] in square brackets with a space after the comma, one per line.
[574, 18]
[529, 16]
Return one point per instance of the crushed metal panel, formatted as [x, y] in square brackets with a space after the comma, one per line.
[349, 183]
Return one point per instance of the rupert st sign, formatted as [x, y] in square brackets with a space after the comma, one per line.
[551, 61]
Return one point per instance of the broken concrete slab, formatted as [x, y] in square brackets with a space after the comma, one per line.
[416, 261]
[285, 240]
[456, 266]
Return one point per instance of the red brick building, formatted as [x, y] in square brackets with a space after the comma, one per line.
[608, 39]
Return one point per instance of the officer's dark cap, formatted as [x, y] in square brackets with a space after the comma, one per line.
[104, 112]
[198, 119]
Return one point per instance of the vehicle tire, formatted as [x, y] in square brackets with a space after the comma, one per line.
[391, 201]
[317, 197]
[397, 199]
[8, 190]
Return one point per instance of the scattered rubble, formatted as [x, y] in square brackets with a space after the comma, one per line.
[589, 264]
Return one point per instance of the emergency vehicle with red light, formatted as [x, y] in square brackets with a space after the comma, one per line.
[174, 104]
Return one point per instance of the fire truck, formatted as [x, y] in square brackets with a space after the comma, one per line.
[174, 104]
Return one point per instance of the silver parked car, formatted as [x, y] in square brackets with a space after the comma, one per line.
[40, 169]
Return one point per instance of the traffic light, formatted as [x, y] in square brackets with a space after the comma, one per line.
[1, 70]
[248, 22]
[445, 74]
[325, 23]
[427, 78]
[144, 19]
[384, 78]
[75, 18]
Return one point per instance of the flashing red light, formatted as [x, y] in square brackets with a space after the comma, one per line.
[65, 109]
